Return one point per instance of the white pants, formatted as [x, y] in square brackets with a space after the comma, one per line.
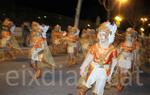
[35, 54]
[99, 77]
[70, 49]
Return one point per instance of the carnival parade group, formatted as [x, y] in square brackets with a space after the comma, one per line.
[102, 52]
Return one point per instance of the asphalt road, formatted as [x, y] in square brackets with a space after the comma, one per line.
[16, 79]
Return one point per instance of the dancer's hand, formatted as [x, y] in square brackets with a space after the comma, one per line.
[109, 79]
[81, 71]
[45, 28]
[65, 33]
[12, 29]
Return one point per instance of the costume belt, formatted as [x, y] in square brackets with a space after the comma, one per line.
[127, 53]
[95, 64]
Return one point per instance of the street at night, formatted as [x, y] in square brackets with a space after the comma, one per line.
[58, 85]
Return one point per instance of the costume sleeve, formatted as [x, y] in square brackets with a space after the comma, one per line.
[12, 29]
[86, 61]
[92, 50]
[114, 61]
[114, 53]
[89, 57]
[45, 29]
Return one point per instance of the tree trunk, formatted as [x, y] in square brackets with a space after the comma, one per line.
[108, 14]
[98, 20]
[77, 16]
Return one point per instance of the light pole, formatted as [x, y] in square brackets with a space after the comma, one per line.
[120, 4]
[77, 15]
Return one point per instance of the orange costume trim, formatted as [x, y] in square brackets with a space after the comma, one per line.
[56, 36]
[38, 42]
[5, 34]
[71, 38]
[98, 53]
[128, 48]
[54, 33]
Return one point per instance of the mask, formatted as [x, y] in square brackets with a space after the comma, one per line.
[129, 38]
[103, 39]
[102, 36]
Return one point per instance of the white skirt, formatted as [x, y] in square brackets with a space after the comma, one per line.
[4, 41]
[125, 60]
[35, 54]
[70, 49]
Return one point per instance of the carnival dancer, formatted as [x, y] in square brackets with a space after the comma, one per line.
[100, 61]
[8, 42]
[55, 38]
[6, 35]
[40, 52]
[125, 59]
[84, 40]
[88, 38]
[136, 55]
[71, 44]
[76, 43]
[136, 52]
[46, 56]
[92, 36]
[37, 46]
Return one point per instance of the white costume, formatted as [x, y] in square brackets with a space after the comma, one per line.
[37, 48]
[125, 60]
[98, 60]
[38, 40]
[127, 47]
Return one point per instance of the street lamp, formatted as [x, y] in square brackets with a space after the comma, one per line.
[120, 3]
[39, 17]
[118, 20]
[45, 17]
[144, 19]
[142, 29]
[88, 25]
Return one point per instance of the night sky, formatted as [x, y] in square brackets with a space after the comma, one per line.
[90, 8]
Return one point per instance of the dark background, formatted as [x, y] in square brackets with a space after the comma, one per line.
[90, 8]
[61, 11]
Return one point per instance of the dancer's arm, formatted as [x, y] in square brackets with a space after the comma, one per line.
[85, 63]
